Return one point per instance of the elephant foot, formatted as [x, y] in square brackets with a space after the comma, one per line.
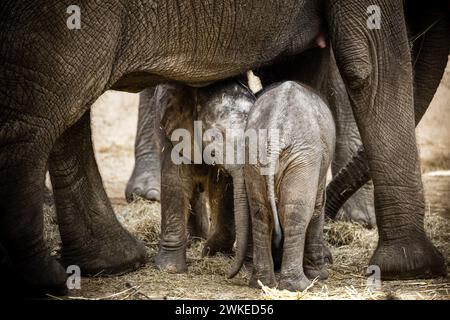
[294, 283]
[171, 261]
[360, 207]
[315, 269]
[314, 261]
[412, 259]
[266, 278]
[313, 273]
[144, 183]
[115, 253]
[216, 244]
[33, 277]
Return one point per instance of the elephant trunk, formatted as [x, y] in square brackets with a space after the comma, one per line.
[242, 222]
[348, 180]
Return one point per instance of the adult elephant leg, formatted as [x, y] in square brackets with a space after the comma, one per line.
[23, 160]
[360, 207]
[430, 56]
[145, 181]
[376, 67]
[92, 236]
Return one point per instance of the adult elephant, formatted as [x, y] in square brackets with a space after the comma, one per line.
[50, 75]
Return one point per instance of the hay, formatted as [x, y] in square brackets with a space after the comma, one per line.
[275, 294]
[344, 233]
[218, 265]
[142, 218]
[51, 231]
[351, 246]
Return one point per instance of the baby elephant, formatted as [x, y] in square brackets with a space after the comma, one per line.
[286, 193]
[195, 121]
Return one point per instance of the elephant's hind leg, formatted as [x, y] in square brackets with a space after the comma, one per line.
[298, 191]
[91, 235]
[262, 226]
[198, 223]
[315, 250]
[222, 231]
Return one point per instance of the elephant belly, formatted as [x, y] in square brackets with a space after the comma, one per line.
[220, 40]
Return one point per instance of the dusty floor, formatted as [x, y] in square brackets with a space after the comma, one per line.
[114, 120]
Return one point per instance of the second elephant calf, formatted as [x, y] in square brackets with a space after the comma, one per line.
[290, 199]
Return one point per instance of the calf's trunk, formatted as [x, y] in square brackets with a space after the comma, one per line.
[242, 221]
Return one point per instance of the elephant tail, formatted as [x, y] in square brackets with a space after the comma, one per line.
[277, 232]
[348, 180]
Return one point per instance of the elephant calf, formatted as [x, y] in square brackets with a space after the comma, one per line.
[307, 143]
[290, 199]
[223, 185]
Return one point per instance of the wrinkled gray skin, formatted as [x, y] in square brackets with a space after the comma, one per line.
[220, 107]
[50, 76]
[150, 139]
[295, 194]
[216, 106]
[428, 30]
[145, 179]
[359, 207]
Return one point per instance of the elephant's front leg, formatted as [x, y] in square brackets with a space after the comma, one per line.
[376, 66]
[91, 235]
[145, 181]
[360, 207]
[177, 189]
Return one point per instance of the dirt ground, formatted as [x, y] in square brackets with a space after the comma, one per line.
[114, 123]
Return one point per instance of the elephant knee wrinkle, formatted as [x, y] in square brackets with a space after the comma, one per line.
[357, 70]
